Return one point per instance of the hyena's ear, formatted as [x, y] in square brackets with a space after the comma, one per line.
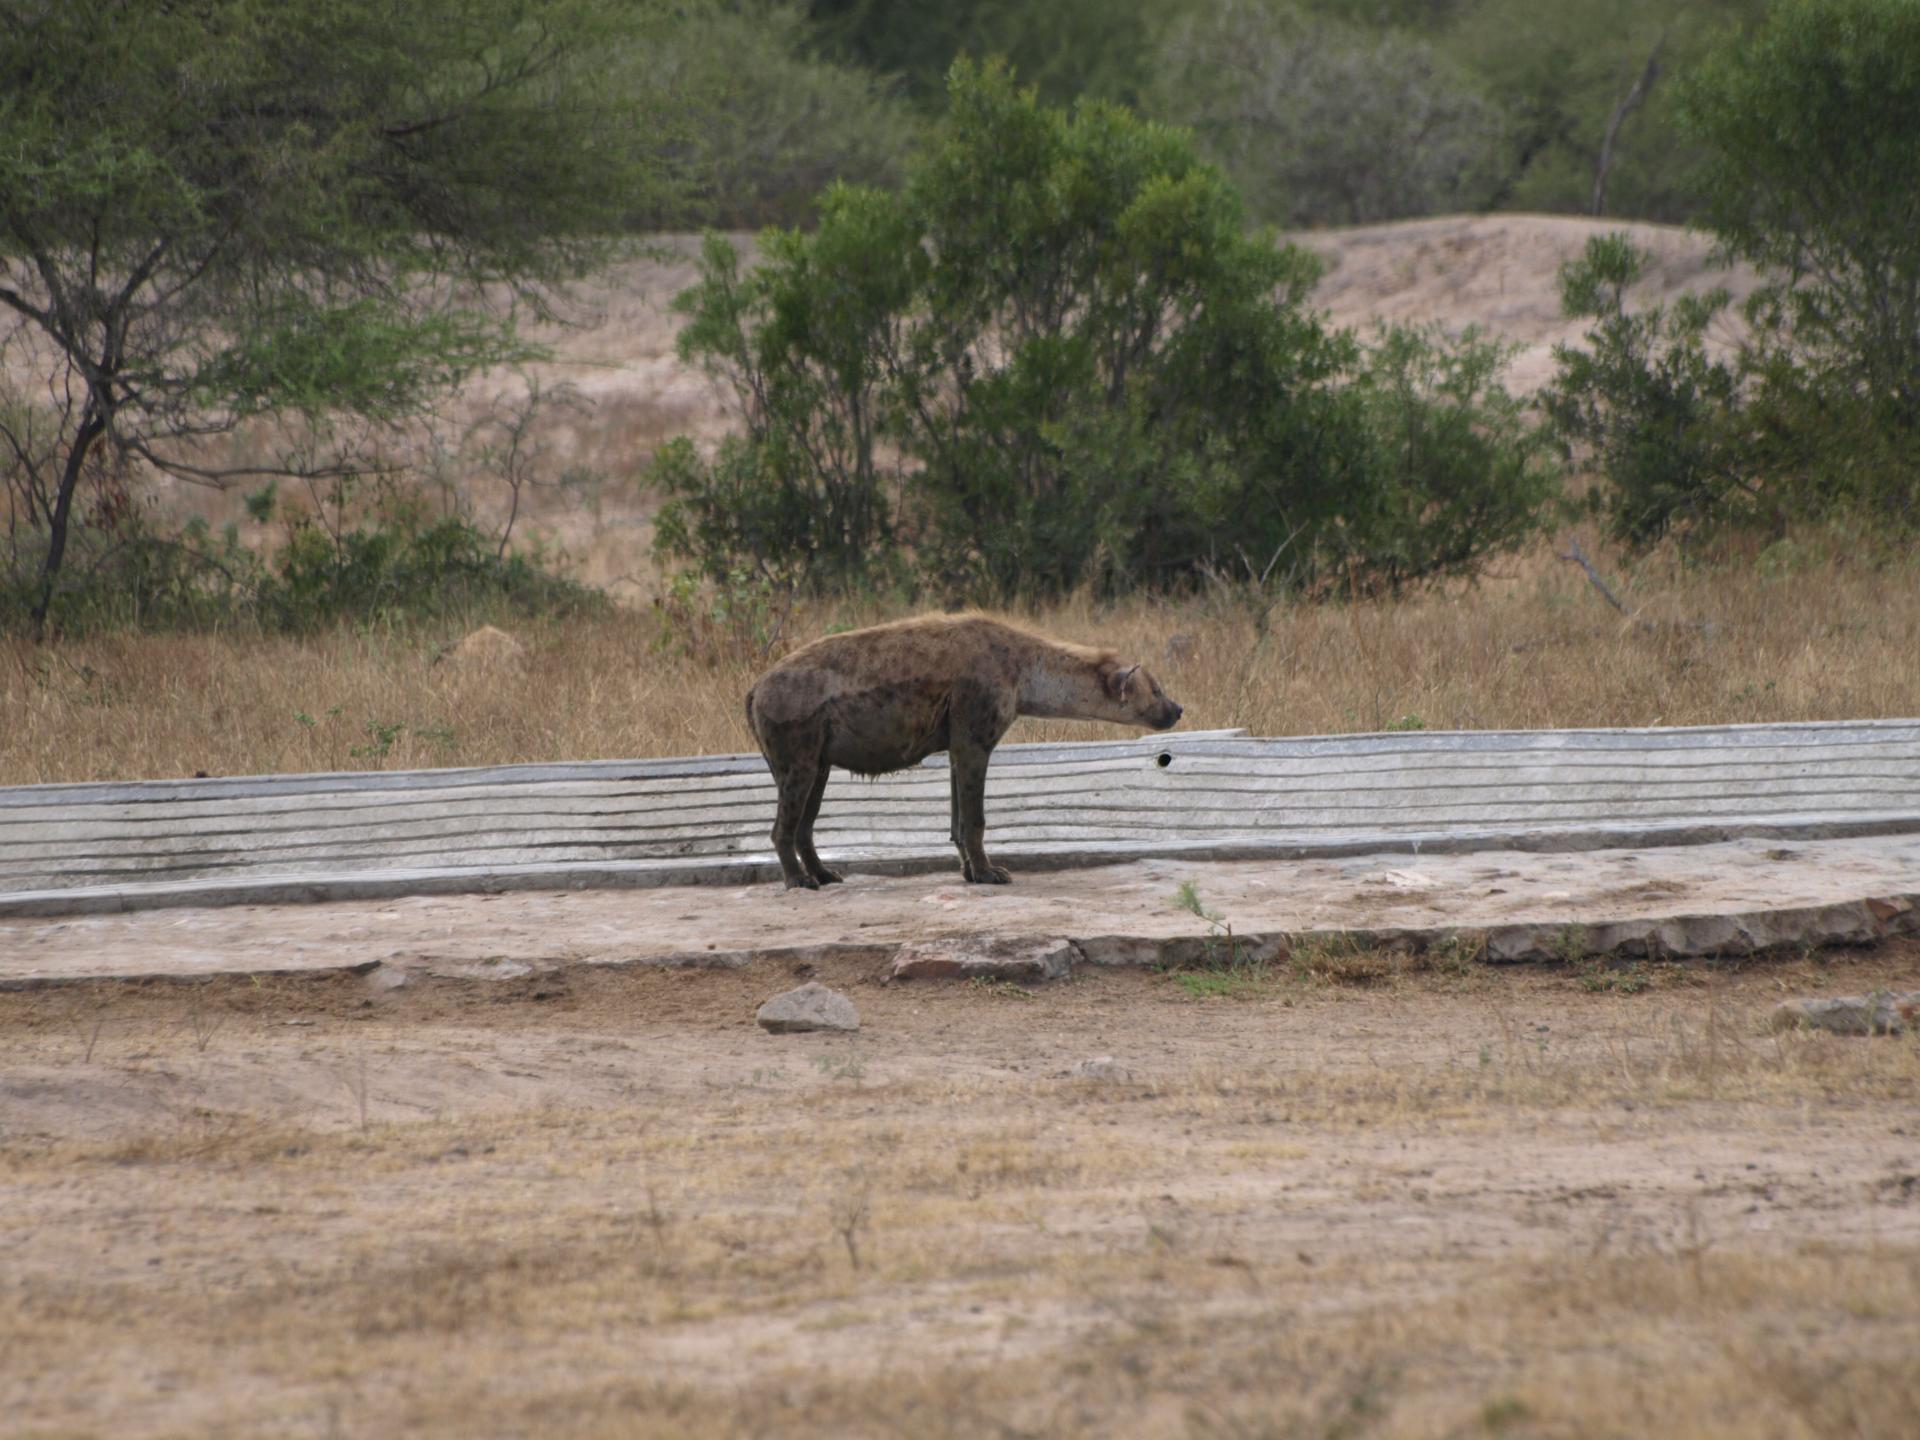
[1119, 679]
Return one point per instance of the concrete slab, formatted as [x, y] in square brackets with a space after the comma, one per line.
[1716, 899]
[1193, 797]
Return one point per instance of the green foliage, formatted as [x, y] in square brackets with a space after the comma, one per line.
[234, 208]
[1659, 416]
[397, 563]
[1069, 49]
[1815, 178]
[1458, 469]
[403, 564]
[1557, 72]
[760, 123]
[805, 340]
[1322, 122]
[1059, 358]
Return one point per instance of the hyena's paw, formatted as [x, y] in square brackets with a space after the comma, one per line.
[826, 876]
[991, 875]
[802, 882]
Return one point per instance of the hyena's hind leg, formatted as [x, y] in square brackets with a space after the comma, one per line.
[809, 814]
[799, 765]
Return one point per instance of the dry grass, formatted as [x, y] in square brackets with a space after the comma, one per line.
[1534, 1212]
[1819, 636]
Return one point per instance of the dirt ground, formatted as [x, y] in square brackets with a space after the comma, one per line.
[1370, 1200]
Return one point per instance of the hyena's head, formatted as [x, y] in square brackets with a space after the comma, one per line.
[1141, 698]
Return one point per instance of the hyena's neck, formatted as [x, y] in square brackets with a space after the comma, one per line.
[1062, 683]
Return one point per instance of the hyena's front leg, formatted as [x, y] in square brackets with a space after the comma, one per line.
[969, 765]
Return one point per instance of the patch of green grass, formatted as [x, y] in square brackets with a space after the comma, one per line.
[1598, 976]
[1226, 968]
[1239, 983]
[1001, 988]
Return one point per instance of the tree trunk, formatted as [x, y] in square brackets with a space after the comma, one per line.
[93, 424]
[1620, 112]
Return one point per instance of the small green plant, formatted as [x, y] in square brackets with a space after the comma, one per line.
[1000, 988]
[1226, 967]
[851, 1067]
[1456, 955]
[1598, 977]
[380, 738]
[1570, 945]
[1216, 984]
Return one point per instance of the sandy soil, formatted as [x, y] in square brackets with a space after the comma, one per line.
[603, 1202]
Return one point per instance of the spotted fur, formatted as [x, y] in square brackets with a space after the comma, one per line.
[885, 698]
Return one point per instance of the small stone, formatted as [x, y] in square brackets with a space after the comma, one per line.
[812, 1007]
[1100, 1067]
[973, 958]
[383, 978]
[1881, 1013]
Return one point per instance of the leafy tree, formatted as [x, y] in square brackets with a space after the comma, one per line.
[1068, 49]
[1814, 177]
[1321, 122]
[220, 210]
[762, 124]
[1060, 357]
[1568, 76]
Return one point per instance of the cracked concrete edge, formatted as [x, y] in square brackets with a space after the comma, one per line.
[1739, 934]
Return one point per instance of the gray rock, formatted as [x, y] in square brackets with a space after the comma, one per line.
[383, 978]
[1100, 1067]
[1884, 1012]
[969, 958]
[812, 1007]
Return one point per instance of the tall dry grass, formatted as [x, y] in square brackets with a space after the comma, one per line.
[1807, 634]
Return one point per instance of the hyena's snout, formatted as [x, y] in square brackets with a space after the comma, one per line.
[1164, 715]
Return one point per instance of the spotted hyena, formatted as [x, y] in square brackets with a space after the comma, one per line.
[882, 699]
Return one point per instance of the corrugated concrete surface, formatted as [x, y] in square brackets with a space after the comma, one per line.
[1212, 795]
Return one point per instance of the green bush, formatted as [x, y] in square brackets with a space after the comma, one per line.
[398, 564]
[1814, 177]
[1060, 358]
[1658, 416]
[1459, 470]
